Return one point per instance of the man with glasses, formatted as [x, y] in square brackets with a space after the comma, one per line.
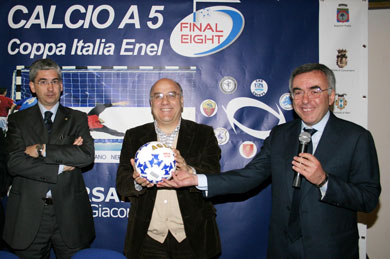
[48, 144]
[165, 223]
[339, 178]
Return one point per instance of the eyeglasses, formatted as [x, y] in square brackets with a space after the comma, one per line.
[54, 82]
[160, 96]
[314, 92]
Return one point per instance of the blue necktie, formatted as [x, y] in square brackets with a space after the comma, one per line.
[47, 120]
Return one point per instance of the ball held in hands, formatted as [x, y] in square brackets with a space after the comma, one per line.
[155, 161]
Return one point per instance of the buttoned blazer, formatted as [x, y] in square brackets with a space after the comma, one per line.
[329, 225]
[34, 177]
[199, 147]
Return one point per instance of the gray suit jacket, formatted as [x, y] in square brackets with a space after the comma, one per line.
[33, 177]
[329, 226]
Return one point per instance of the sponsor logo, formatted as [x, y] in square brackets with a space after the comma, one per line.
[222, 135]
[259, 87]
[228, 85]
[285, 102]
[213, 29]
[342, 58]
[248, 149]
[242, 102]
[105, 203]
[341, 102]
[342, 13]
[208, 108]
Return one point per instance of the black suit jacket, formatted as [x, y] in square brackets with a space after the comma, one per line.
[33, 177]
[199, 147]
[329, 226]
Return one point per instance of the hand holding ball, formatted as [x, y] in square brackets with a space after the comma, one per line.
[155, 161]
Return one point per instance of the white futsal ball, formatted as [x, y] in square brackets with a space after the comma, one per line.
[155, 161]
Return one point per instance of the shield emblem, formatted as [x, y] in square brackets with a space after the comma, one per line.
[247, 149]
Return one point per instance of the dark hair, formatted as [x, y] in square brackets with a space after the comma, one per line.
[315, 67]
[3, 90]
[43, 64]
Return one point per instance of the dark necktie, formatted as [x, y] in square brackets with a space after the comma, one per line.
[294, 225]
[47, 120]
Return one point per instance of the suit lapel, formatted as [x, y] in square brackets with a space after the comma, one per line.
[184, 140]
[36, 124]
[291, 148]
[149, 134]
[60, 124]
[328, 140]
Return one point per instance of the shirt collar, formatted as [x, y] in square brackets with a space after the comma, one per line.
[53, 109]
[167, 139]
[319, 126]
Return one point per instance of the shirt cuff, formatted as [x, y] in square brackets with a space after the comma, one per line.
[202, 183]
[60, 169]
[323, 189]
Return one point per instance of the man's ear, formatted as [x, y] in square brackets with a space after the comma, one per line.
[332, 97]
[32, 87]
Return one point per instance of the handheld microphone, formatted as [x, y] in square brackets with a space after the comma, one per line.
[304, 140]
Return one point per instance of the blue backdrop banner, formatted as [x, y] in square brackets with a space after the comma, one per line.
[233, 59]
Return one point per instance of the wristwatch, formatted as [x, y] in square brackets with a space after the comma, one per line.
[324, 181]
[39, 148]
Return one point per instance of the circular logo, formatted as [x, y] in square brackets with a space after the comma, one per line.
[285, 102]
[228, 85]
[248, 149]
[208, 108]
[207, 31]
[259, 87]
[222, 135]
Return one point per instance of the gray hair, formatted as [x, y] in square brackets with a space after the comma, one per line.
[315, 67]
[43, 64]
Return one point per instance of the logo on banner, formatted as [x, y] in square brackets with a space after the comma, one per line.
[342, 58]
[208, 108]
[342, 13]
[341, 102]
[242, 102]
[228, 85]
[259, 87]
[222, 136]
[248, 149]
[285, 102]
[207, 31]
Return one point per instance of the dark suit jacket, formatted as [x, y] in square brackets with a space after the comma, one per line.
[33, 177]
[329, 226]
[199, 147]
[5, 181]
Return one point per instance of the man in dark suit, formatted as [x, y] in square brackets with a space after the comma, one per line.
[5, 181]
[166, 223]
[48, 145]
[319, 219]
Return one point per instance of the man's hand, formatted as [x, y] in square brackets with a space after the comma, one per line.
[138, 179]
[32, 150]
[181, 162]
[78, 141]
[310, 167]
[68, 168]
[180, 179]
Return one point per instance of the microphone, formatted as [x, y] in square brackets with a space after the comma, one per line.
[304, 140]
